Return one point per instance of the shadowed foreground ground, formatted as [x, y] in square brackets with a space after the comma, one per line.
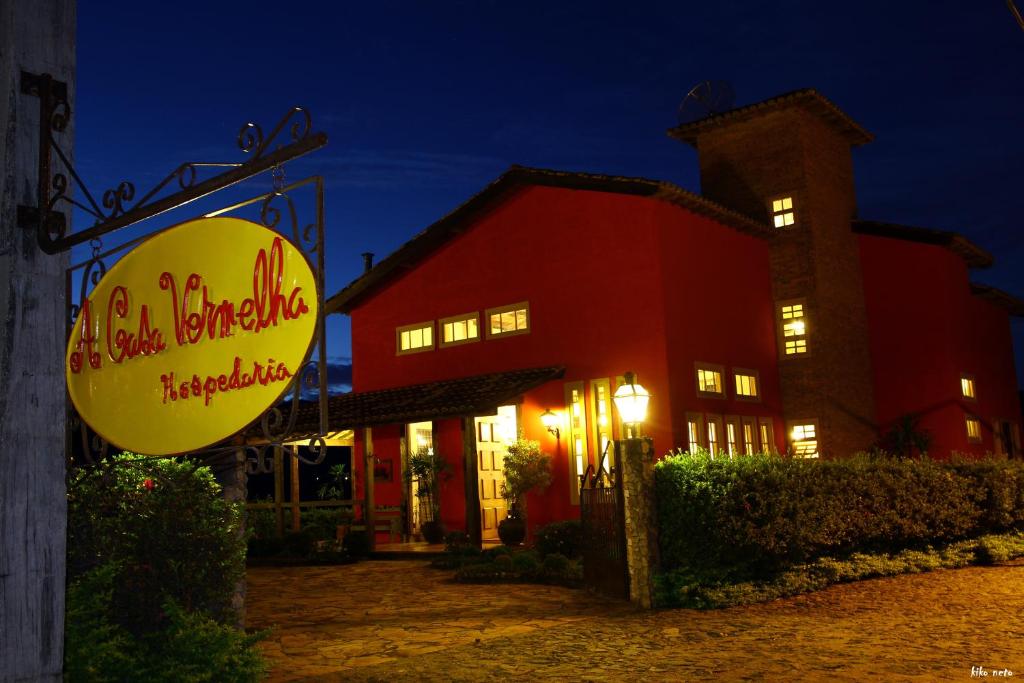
[397, 621]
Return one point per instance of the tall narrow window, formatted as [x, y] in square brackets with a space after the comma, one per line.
[576, 438]
[459, 329]
[967, 386]
[803, 437]
[714, 427]
[793, 328]
[505, 321]
[693, 429]
[783, 215]
[732, 436]
[747, 384]
[748, 436]
[601, 421]
[414, 338]
[709, 380]
[767, 433]
[973, 429]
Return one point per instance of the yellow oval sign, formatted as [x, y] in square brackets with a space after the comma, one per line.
[191, 336]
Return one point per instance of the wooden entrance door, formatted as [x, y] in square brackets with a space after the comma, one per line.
[490, 450]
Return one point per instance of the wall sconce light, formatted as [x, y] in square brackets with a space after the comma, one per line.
[631, 400]
[550, 422]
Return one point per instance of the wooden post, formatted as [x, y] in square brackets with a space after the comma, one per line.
[369, 506]
[36, 36]
[472, 476]
[296, 512]
[279, 490]
[403, 453]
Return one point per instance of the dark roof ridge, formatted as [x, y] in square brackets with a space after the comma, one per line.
[1014, 305]
[808, 97]
[516, 177]
[973, 255]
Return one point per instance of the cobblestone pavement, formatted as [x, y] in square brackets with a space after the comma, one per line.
[402, 621]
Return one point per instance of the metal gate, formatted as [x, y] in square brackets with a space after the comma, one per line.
[604, 538]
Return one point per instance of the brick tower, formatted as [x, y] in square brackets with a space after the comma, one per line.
[786, 161]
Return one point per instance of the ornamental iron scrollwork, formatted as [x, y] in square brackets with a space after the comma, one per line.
[118, 208]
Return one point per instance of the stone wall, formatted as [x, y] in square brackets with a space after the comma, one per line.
[636, 469]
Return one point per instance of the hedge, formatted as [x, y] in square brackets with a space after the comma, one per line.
[756, 515]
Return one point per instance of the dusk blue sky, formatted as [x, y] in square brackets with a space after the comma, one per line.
[427, 102]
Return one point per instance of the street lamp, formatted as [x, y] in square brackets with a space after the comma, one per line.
[631, 400]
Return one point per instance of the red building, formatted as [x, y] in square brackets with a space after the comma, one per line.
[761, 315]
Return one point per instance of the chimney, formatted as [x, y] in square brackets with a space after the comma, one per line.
[367, 261]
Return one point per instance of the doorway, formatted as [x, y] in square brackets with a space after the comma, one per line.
[420, 438]
[494, 433]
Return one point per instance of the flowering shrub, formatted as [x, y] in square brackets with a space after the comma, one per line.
[154, 556]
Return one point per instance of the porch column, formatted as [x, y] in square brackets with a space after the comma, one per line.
[369, 506]
[636, 470]
[472, 477]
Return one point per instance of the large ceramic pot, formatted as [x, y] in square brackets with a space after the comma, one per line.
[433, 531]
[512, 530]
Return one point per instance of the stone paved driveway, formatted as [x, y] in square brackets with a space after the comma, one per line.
[402, 621]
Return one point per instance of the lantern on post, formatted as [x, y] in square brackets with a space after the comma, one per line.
[631, 401]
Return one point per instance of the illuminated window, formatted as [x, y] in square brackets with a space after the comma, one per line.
[714, 427]
[693, 428]
[782, 212]
[709, 380]
[967, 386]
[415, 338]
[601, 421]
[767, 433]
[732, 434]
[803, 437]
[459, 329]
[973, 429]
[506, 321]
[748, 436]
[576, 438]
[748, 384]
[793, 328]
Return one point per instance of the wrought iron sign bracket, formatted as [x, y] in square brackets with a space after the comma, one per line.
[117, 211]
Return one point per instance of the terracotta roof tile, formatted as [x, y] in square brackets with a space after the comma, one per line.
[463, 397]
[973, 255]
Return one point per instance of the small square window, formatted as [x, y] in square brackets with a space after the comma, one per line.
[783, 215]
[748, 384]
[967, 387]
[803, 438]
[709, 380]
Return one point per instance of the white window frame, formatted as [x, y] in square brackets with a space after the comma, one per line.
[452, 320]
[399, 351]
[497, 310]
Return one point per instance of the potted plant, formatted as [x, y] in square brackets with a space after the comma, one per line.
[427, 469]
[526, 469]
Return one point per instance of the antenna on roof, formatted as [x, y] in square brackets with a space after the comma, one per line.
[705, 99]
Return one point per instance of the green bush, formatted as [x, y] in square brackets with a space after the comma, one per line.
[680, 588]
[564, 538]
[492, 553]
[154, 556]
[165, 526]
[322, 523]
[556, 564]
[526, 562]
[503, 563]
[754, 516]
[191, 646]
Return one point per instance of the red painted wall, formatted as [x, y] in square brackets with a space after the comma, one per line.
[925, 329]
[719, 310]
[615, 283]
